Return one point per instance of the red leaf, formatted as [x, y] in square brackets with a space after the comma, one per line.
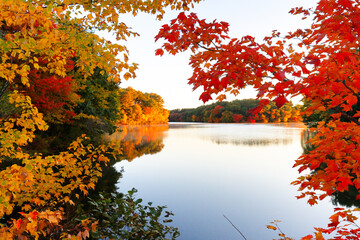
[171, 38]
[280, 75]
[159, 52]
[33, 215]
[258, 72]
[205, 96]
[320, 37]
[280, 101]
[297, 74]
[181, 16]
[357, 84]
[18, 223]
[335, 87]
[279, 87]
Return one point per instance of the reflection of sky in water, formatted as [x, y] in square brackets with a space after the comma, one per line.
[252, 142]
[200, 180]
[246, 134]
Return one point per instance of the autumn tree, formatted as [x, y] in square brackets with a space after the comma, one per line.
[141, 108]
[320, 63]
[40, 42]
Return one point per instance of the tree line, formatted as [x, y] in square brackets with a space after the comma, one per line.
[237, 111]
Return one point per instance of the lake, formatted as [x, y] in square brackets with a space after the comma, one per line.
[204, 171]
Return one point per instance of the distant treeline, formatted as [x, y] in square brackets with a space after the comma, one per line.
[141, 108]
[237, 111]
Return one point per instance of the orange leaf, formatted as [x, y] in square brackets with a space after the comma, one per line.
[271, 227]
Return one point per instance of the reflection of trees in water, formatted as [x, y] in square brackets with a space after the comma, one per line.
[110, 177]
[249, 134]
[346, 198]
[123, 215]
[133, 150]
[254, 141]
[188, 125]
[136, 141]
[131, 142]
[306, 135]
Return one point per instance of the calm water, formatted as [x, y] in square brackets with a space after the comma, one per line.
[204, 171]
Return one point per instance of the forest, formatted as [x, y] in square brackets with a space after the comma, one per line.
[237, 111]
[59, 96]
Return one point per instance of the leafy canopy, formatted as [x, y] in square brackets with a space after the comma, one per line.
[41, 43]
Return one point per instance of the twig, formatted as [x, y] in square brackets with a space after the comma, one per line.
[234, 227]
[282, 234]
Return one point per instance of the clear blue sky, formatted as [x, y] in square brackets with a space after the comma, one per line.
[167, 75]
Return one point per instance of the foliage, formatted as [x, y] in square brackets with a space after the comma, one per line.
[319, 63]
[275, 226]
[141, 108]
[120, 216]
[237, 111]
[52, 95]
[27, 187]
[50, 62]
[99, 97]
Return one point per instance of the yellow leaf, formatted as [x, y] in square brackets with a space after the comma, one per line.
[25, 81]
[127, 76]
[53, 219]
[26, 207]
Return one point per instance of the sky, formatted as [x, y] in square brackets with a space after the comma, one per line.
[168, 75]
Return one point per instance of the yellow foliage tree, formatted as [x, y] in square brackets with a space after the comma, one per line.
[33, 187]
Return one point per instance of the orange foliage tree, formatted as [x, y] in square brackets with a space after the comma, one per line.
[141, 108]
[320, 63]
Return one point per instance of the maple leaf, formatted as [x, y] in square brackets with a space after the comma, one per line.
[280, 75]
[280, 101]
[159, 52]
[279, 87]
[205, 96]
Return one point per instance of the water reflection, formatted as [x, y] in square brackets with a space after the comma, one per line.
[253, 142]
[207, 170]
[136, 141]
[181, 125]
[131, 142]
[306, 135]
[246, 135]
